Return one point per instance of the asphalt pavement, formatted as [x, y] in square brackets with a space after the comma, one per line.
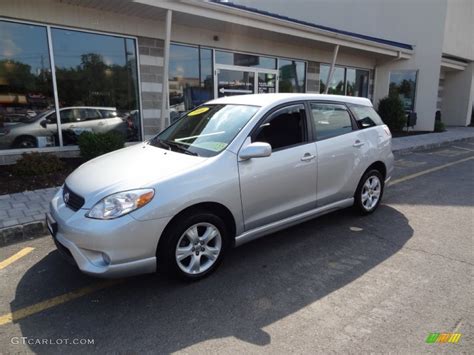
[340, 283]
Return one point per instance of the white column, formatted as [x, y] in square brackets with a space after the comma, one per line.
[165, 119]
[331, 69]
[55, 87]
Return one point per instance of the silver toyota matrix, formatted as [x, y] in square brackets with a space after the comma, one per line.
[230, 171]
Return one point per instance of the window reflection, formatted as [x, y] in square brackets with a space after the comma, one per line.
[330, 120]
[357, 82]
[292, 76]
[97, 84]
[337, 84]
[403, 84]
[190, 78]
[345, 81]
[26, 90]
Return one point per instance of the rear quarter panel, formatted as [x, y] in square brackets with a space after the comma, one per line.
[379, 148]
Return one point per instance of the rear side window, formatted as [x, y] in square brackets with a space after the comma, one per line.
[108, 113]
[366, 116]
[330, 120]
[89, 115]
[284, 128]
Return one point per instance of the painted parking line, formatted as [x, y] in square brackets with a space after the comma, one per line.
[58, 300]
[55, 301]
[470, 150]
[15, 257]
[428, 171]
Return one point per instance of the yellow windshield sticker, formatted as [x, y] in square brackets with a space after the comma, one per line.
[198, 111]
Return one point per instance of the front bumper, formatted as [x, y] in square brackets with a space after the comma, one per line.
[106, 248]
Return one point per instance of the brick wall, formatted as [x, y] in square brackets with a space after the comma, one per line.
[151, 77]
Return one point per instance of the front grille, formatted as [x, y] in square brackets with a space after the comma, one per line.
[72, 200]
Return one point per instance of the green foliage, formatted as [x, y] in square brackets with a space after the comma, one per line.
[113, 83]
[38, 164]
[92, 145]
[439, 126]
[392, 113]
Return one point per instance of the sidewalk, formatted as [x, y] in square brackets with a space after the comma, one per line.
[403, 145]
[22, 215]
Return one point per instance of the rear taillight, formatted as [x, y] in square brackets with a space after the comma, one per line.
[387, 130]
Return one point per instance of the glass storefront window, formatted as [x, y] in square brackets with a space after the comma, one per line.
[403, 84]
[97, 84]
[345, 81]
[292, 75]
[245, 60]
[26, 89]
[337, 84]
[235, 82]
[266, 83]
[357, 82]
[191, 79]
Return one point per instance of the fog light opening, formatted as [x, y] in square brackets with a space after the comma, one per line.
[106, 259]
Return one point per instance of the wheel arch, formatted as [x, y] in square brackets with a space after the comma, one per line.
[213, 207]
[379, 166]
[23, 136]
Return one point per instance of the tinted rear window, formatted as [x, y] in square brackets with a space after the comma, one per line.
[366, 116]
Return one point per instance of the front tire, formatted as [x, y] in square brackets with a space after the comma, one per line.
[369, 192]
[193, 246]
[25, 143]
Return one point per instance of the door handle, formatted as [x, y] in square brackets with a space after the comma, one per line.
[358, 144]
[308, 157]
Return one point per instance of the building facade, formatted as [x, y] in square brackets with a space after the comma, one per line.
[135, 66]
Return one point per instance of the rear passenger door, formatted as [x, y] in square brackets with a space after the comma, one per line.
[341, 152]
[91, 121]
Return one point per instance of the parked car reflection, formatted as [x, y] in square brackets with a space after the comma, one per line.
[41, 130]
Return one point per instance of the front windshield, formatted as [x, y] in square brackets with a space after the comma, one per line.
[205, 131]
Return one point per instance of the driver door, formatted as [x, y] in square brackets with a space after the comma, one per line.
[283, 184]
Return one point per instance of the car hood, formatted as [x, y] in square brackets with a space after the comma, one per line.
[139, 166]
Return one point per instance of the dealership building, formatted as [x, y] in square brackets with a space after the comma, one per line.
[135, 66]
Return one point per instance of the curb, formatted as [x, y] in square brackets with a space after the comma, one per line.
[404, 151]
[22, 232]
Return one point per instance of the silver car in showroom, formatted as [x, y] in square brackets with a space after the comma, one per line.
[227, 172]
[41, 130]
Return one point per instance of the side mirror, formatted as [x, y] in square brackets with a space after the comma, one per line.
[255, 150]
[43, 123]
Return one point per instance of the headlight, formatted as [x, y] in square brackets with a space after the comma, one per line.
[120, 204]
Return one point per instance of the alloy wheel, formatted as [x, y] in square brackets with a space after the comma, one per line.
[198, 248]
[370, 194]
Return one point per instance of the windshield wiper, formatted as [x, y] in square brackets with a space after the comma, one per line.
[180, 147]
[156, 142]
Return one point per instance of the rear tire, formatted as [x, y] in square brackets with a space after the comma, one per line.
[369, 192]
[193, 246]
